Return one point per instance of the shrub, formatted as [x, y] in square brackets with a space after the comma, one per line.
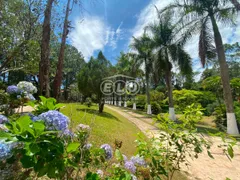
[156, 96]
[88, 102]
[156, 108]
[221, 117]
[44, 105]
[130, 104]
[64, 154]
[184, 98]
[140, 101]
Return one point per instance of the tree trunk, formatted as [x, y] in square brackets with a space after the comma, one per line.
[168, 77]
[231, 119]
[44, 64]
[169, 88]
[100, 106]
[58, 77]
[236, 4]
[149, 111]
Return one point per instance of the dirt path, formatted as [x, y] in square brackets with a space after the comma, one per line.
[203, 168]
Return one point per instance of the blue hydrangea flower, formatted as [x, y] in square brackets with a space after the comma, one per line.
[5, 150]
[108, 150]
[87, 146]
[68, 133]
[30, 97]
[33, 117]
[28, 87]
[12, 89]
[137, 160]
[54, 120]
[3, 119]
[129, 165]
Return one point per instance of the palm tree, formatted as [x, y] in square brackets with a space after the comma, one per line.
[196, 16]
[143, 46]
[236, 4]
[169, 52]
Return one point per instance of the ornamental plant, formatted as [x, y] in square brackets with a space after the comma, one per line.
[44, 105]
[17, 96]
[45, 146]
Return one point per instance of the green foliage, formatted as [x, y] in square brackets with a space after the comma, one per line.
[235, 84]
[130, 104]
[156, 108]
[221, 117]
[192, 115]
[140, 101]
[167, 153]
[212, 83]
[57, 155]
[156, 96]
[184, 98]
[91, 76]
[44, 105]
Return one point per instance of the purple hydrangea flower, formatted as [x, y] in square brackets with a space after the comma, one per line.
[5, 150]
[137, 160]
[12, 89]
[108, 150]
[129, 165]
[83, 127]
[3, 119]
[54, 120]
[68, 133]
[87, 146]
[125, 157]
[100, 173]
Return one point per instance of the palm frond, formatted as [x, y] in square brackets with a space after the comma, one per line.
[206, 49]
[184, 61]
[226, 16]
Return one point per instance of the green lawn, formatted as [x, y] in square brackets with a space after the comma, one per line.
[106, 127]
[206, 125]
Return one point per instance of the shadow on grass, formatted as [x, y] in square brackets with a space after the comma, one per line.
[206, 130]
[96, 112]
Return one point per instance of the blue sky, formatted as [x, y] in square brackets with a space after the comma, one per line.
[108, 25]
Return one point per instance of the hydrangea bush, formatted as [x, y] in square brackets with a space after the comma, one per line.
[17, 96]
[55, 120]
[13, 89]
[28, 87]
[45, 146]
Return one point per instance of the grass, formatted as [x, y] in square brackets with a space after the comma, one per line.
[106, 127]
[206, 125]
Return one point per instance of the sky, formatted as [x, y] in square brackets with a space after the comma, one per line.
[108, 25]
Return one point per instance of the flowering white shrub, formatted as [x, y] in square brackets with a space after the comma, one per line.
[27, 87]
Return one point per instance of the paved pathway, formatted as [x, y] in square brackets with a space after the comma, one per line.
[203, 168]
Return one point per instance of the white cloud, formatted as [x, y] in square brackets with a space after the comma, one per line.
[93, 34]
[149, 15]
